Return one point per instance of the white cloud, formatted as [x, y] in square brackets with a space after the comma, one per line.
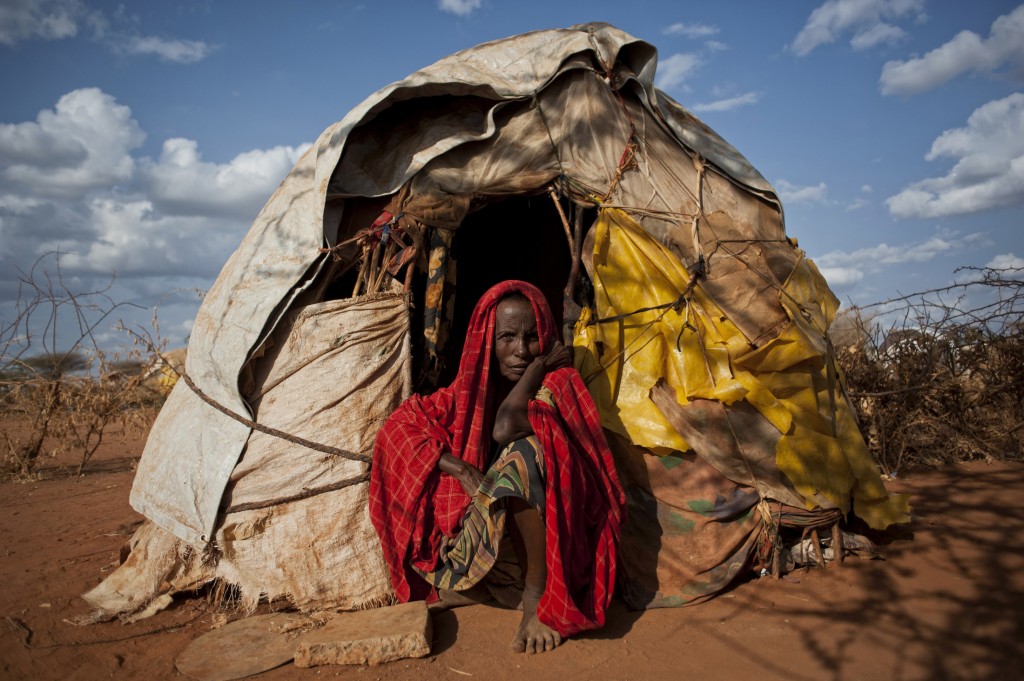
[1006, 261]
[691, 30]
[133, 239]
[715, 46]
[70, 182]
[34, 225]
[868, 20]
[989, 172]
[181, 183]
[177, 51]
[82, 144]
[73, 181]
[856, 204]
[460, 7]
[841, 277]
[965, 52]
[872, 259]
[22, 20]
[866, 188]
[876, 35]
[791, 193]
[673, 71]
[843, 269]
[729, 103]
[19, 205]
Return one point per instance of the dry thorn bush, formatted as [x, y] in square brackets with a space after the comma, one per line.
[60, 391]
[935, 376]
[938, 376]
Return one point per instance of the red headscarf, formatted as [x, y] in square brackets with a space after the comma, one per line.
[412, 504]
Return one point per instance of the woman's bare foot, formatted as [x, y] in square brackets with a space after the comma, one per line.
[534, 636]
[448, 599]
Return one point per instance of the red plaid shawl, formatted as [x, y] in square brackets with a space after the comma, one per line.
[412, 504]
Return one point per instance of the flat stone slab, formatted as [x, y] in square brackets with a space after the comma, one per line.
[243, 648]
[368, 637]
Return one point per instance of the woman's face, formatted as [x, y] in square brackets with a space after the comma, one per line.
[516, 342]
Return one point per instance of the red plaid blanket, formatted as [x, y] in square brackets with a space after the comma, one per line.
[412, 504]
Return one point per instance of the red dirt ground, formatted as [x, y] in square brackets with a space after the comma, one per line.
[948, 603]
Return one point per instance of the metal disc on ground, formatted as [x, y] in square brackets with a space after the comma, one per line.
[243, 648]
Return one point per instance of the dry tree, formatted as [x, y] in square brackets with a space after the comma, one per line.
[60, 389]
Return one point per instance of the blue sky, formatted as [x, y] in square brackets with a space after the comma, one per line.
[142, 138]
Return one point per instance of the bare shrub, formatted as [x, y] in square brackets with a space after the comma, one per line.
[938, 376]
[55, 401]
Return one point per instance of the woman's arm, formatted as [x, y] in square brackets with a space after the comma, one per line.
[511, 421]
[468, 475]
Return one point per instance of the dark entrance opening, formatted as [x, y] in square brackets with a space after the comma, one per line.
[515, 238]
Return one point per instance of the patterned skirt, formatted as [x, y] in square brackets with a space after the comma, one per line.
[480, 549]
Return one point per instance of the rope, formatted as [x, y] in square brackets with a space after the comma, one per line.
[304, 494]
[666, 215]
[771, 283]
[626, 162]
[326, 449]
[753, 241]
[675, 304]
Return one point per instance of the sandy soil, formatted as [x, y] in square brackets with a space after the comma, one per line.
[947, 603]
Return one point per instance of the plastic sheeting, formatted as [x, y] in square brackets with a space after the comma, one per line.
[690, 350]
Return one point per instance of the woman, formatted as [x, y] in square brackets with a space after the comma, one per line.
[442, 519]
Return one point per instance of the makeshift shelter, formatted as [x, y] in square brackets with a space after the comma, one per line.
[551, 157]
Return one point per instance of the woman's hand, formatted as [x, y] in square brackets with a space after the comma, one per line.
[468, 475]
[471, 478]
[511, 421]
[557, 357]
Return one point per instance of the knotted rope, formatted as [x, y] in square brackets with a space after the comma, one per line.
[295, 439]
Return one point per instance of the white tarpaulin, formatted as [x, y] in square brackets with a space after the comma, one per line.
[295, 521]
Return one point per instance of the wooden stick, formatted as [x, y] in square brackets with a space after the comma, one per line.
[577, 254]
[363, 269]
[371, 276]
[410, 268]
[565, 221]
[819, 554]
[837, 544]
[389, 251]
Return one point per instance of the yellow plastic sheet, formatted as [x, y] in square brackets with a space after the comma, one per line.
[791, 380]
